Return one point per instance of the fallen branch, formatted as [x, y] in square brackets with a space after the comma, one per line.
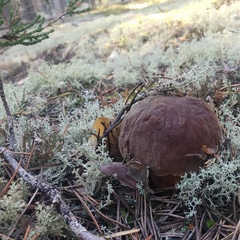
[46, 188]
[54, 195]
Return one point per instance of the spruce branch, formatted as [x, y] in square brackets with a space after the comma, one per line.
[70, 10]
[34, 32]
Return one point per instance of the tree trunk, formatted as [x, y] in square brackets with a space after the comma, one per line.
[92, 4]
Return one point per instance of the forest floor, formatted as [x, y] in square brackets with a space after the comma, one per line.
[90, 65]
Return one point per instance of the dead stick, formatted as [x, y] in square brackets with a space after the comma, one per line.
[47, 188]
[12, 139]
[118, 120]
[55, 197]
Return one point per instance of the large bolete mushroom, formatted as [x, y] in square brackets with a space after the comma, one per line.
[167, 134]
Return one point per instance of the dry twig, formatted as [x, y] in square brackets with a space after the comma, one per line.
[55, 197]
[46, 188]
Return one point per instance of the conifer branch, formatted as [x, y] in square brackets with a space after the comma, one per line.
[34, 32]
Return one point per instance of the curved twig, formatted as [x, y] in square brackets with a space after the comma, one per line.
[119, 117]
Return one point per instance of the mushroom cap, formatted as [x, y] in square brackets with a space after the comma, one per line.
[167, 133]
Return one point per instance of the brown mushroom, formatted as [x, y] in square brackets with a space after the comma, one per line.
[167, 133]
[129, 174]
